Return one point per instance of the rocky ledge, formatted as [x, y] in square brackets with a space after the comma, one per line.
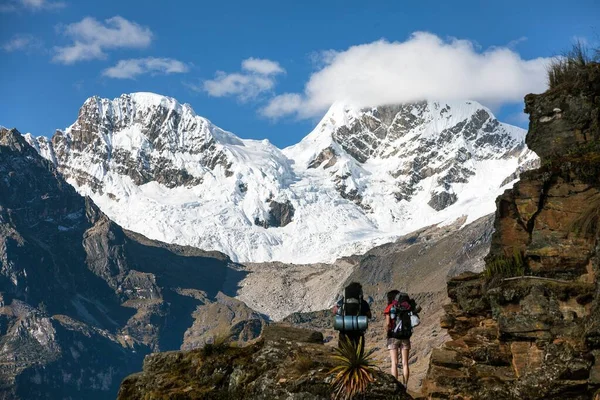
[286, 363]
[529, 327]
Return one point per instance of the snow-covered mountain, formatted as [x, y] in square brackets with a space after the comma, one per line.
[361, 178]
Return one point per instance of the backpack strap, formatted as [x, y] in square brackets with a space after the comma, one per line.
[340, 307]
[360, 303]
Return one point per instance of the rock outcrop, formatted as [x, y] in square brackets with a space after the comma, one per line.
[225, 316]
[280, 214]
[287, 363]
[529, 328]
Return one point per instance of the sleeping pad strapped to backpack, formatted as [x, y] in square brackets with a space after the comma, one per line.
[350, 313]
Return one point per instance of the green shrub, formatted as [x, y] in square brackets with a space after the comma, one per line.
[505, 266]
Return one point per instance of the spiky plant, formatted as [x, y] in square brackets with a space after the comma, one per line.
[354, 372]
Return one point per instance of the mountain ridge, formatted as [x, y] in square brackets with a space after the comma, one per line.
[359, 179]
[81, 299]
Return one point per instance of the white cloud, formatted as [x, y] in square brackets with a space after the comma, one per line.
[422, 67]
[514, 43]
[21, 42]
[284, 104]
[91, 38]
[32, 5]
[130, 69]
[42, 4]
[262, 66]
[258, 77]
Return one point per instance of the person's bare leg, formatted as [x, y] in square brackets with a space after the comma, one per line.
[394, 358]
[405, 371]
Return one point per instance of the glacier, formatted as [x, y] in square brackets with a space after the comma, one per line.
[362, 177]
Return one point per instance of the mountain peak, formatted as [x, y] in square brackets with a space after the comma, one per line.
[377, 132]
[13, 139]
[126, 106]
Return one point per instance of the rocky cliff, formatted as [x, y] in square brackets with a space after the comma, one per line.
[529, 327]
[81, 299]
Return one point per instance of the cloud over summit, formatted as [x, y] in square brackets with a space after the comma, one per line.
[422, 67]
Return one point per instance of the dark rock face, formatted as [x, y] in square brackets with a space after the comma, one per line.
[82, 300]
[225, 316]
[288, 363]
[566, 116]
[326, 156]
[536, 336]
[364, 138]
[280, 214]
[441, 200]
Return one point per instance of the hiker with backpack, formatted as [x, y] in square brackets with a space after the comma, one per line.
[352, 313]
[400, 319]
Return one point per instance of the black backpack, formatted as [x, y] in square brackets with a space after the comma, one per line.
[401, 325]
[352, 302]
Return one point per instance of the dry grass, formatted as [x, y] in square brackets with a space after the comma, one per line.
[564, 68]
[219, 344]
[354, 371]
[588, 223]
[303, 364]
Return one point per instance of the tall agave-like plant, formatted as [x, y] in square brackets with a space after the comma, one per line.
[354, 372]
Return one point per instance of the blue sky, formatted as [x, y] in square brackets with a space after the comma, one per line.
[299, 56]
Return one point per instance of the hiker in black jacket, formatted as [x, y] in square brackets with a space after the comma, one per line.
[352, 304]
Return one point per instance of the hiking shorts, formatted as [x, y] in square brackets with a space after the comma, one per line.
[393, 343]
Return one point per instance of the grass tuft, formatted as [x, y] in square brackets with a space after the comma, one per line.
[588, 223]
[506, 266]
[303, 364]
[565, 67]
[219, 345]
